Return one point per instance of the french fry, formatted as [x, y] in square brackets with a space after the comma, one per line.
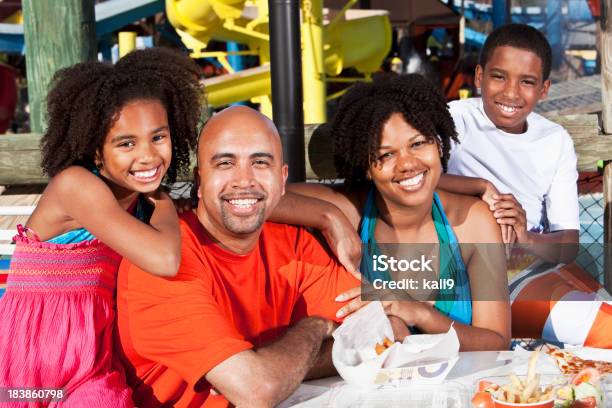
[537, 393]
[533, 359]
[379, 348]
[516, 381]
[508, 389]
[525, 390]
[512, 397]
[530, 387]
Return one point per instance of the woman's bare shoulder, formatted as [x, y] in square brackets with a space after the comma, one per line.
[470, 217]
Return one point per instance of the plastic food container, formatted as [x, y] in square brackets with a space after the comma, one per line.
[447, 395]
[545, 379]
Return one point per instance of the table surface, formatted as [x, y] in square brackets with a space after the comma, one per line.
[469, 368]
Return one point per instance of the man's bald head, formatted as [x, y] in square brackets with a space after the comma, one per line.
[241, 121]
[241, 172]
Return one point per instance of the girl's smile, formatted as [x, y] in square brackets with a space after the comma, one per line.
[137, 150]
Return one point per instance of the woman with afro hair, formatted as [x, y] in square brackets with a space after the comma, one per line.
[391, 146]
[115, 133]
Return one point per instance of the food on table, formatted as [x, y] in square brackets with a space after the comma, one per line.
[520, 391]
[381, 347]
[583, 391]
[525, 393]
[483, 385]
[587, 375]
[482, 399]
[585, 403]
[570, 363]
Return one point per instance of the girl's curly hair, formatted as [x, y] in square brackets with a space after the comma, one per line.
[85, 98]
[364, 110]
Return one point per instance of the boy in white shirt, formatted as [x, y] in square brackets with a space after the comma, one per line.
[524, 155]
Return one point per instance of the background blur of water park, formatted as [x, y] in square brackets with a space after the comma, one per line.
[295, 59]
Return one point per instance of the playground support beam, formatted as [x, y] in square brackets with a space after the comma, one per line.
[57, 34]
[286, 71]
[605, 49]
[127, 42]
[236, 61]
[313, 65]
[554, 29]
[607, 192]
[501, 13]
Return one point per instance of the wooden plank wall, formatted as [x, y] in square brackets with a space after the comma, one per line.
[20, 159]
[590, 146]
[20, 154]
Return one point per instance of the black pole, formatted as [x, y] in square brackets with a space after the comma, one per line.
[286, 71]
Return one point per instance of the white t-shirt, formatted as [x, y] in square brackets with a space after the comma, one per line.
[538, 166]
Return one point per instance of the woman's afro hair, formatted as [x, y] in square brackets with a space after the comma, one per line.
[357, 125]
[85, 99]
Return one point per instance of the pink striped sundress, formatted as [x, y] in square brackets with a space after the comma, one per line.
[57, 323]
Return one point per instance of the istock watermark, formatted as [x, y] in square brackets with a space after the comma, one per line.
[414, 284]
[383, 263]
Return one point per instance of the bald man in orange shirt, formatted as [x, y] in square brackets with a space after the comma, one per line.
[250, 313]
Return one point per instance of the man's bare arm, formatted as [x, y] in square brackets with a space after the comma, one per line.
[323, 366]
[268, 375]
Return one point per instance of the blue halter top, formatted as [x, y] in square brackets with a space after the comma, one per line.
[455, 303]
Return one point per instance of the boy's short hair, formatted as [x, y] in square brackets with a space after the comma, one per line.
[519, 36]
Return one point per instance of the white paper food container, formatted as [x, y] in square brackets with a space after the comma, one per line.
[421, 358]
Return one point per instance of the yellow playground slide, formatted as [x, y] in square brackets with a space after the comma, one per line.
[347, 38]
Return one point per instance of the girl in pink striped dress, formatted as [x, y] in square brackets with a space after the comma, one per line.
[114, 133]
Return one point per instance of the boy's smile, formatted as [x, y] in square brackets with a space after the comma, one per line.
[511, 85]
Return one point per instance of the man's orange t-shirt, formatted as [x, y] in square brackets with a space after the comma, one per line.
[172, 331]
